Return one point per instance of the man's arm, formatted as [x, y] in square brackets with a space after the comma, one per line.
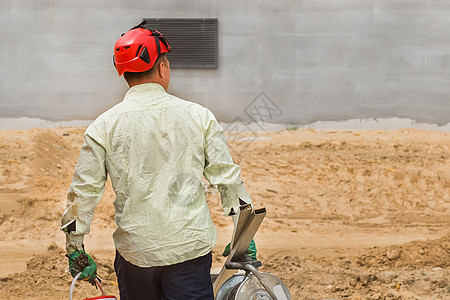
[86, 190]
[220, 169]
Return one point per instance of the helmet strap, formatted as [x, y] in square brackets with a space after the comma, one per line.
[158, 46]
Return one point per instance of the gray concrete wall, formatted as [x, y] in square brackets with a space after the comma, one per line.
[316, 60]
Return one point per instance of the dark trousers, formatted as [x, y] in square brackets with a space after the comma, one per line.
[189, 280]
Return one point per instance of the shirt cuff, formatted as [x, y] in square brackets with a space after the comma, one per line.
[73, 242]
[230, 195]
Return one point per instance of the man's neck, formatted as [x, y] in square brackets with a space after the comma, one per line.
[137, 82]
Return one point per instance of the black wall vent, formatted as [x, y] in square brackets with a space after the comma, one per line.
[193, 41]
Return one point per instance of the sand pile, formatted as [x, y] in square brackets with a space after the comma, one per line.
[368, 275]
[351, 215]
[47, 277]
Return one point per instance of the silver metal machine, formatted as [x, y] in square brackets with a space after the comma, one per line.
[249, 283]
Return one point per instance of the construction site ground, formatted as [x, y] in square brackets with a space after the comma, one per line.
[351, 214]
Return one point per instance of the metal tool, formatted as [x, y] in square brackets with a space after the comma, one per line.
[253, 285]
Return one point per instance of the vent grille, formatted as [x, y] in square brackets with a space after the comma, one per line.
[194, 42]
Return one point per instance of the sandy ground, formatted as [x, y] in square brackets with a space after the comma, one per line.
[351, 214]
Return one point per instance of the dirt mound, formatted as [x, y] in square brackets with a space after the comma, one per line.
[394, 272]
[351, 214]
[419, 254]
[47, 277]
[33, 164]
[51, 156]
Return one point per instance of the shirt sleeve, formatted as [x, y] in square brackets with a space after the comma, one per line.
[86, 190]
[220, 169]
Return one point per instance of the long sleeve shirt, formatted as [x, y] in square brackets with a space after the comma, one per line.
[155, 148]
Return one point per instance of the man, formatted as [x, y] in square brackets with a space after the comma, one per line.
[155, 148]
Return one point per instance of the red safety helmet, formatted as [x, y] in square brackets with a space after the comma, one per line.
[138, 49]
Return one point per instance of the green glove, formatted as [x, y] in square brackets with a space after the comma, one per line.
[251, 251]
[80, 261]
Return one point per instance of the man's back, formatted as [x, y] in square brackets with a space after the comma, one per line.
[155, 156]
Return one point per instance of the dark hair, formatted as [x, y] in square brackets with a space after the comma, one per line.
[132, 76]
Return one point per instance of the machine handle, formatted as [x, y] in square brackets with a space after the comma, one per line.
[252, 268]
[242, 265]
[261, 280]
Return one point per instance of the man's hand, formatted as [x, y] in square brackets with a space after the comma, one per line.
[251, 251]
[80, 261]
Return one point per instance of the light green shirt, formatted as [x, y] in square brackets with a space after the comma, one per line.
[155, 148]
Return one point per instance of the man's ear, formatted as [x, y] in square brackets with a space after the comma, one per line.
[161, 69]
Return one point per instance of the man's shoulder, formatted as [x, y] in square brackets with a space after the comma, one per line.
[111, 113]
[177, 101]
[191, 106]
[98, 128]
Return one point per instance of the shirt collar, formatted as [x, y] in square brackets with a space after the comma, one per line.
[143, 88]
